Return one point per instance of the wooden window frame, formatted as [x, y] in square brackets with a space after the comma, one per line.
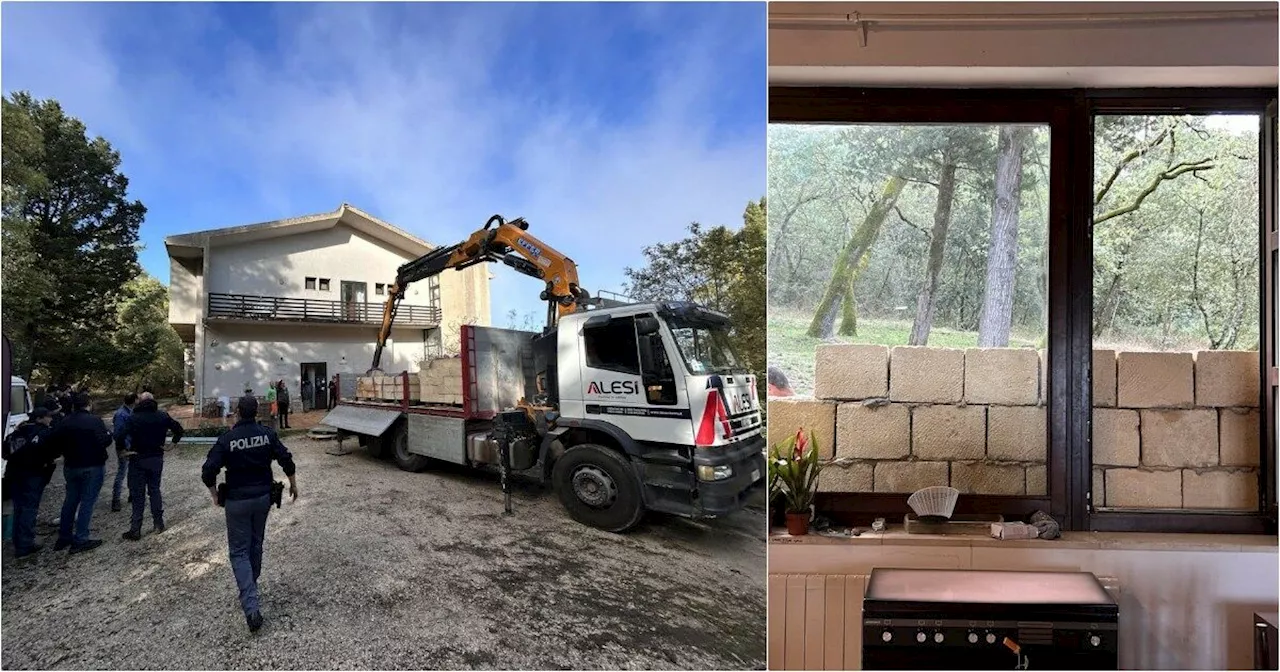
[1069, 115]
[309, 283]
[324, 284]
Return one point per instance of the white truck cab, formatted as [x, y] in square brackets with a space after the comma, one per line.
[19, 409]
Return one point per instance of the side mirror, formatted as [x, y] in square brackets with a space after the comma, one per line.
[646, 326]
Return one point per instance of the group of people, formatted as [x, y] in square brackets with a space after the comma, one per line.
[141, 432]
[330, 389]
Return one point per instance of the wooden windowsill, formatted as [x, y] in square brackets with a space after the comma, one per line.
[1119, 541]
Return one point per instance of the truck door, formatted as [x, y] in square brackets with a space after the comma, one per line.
[628, 380]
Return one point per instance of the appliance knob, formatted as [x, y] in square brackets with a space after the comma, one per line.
[973, 638]
[887, 636]
[937, 637]
[991, 638]
[1095, 640]
[921, 637]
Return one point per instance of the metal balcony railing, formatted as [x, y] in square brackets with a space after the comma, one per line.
[285, 309]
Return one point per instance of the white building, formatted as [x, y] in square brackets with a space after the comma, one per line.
[303, 297]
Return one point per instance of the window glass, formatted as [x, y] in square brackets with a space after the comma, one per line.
[17, 399]
[324, 284]
[612, 346]
[310, 283]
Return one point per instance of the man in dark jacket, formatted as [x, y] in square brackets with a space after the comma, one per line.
[82, 439]
[31, 462]
[282, 403]
[55, 410]
[146, 430]
[246, 452]
[122, 448]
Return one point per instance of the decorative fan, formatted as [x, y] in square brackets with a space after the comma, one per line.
[934, 504]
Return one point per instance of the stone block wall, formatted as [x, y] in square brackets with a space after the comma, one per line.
[1171, 430]
[1176, 430]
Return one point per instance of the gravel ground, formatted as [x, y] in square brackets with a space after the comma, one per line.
[376, 568]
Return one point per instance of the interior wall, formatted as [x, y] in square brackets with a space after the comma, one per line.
[1236, 52]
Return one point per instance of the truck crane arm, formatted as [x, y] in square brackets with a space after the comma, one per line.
[500, 241]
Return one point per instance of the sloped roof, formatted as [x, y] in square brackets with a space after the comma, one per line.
[193, 244]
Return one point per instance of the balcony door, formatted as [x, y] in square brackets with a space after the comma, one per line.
[353, 300]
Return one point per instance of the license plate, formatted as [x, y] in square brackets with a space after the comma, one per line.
[755, 475]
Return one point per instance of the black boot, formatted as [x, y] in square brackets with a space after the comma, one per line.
[132, 535]
[86, 546]
[115, 505]
[254, 620]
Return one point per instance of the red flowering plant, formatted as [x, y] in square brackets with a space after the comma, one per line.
[793, 470]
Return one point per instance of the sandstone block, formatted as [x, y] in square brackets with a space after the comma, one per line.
[1115, 437]
[1186, 438]
[1138, 489]
[1154, 379]
[851, 372]
[1099, 493]
[873, 432]
[907, 477]
[1017, 433]
[1239, 435]
[787, 415]
[1233, 490]
[1009, 376]
[928, 375]
[1044, 376]
[1104, 377]
[1227, 378]
[985, 478]
[855, 477]
[1037, 481]
[949, 432]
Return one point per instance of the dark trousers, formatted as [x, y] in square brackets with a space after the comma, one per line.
[284, 413]
[144, 482]
[246, 526]
[28, 489]
[84, 484]
[122, 470]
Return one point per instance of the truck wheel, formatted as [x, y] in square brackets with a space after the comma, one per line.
[598, 488]
[399, 439]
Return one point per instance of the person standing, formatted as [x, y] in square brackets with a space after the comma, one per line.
[31, 463]
[333, 392]
[55, 410]
[307, 398]
[246, 452]
[82, 439]
[146, 431]
[282, 403]
[271, 401]
[122, 449]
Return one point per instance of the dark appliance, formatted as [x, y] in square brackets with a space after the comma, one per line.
[925, 619]
[1264, 641]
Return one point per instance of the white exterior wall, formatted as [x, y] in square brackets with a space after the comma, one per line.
[464, 299]
[184, 290]
[237, 356]
[278, 266]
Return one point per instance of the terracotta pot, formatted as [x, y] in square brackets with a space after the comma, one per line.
[797, 524]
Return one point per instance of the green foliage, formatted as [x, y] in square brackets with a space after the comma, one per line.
[150, 351]
[794, 468]
[70, 242]
[719, 267]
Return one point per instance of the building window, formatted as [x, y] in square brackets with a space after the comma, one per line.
[310, 283]
[433, 291]
[612, 346]
[379, 289]
[324, 284]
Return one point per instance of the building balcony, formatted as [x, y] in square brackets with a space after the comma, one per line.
[247, 308]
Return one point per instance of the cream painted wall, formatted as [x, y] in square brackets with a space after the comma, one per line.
[464, 298]
[184, 290]
[1241, 52]
[279, 266]
[252, 354]
[1178, 609]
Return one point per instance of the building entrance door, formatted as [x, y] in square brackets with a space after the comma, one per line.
[315, 381]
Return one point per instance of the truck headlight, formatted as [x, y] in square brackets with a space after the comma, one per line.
[707, 472]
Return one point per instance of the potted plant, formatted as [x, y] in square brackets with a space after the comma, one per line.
[796, 462]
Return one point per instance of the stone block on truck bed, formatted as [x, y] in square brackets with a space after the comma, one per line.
[441, 380]
[386, 388]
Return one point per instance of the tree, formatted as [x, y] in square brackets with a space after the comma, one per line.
[150, 351]
[75, 235]
[721, 268]
[996, 319]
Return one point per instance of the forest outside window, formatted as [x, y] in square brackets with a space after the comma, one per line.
[908, 284]
[1176, 313]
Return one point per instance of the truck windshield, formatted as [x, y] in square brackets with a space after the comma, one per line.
[706, 349]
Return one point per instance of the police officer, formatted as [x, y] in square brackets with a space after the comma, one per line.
[246, 453]
[31, 464]
[82, 439]
[145, 430]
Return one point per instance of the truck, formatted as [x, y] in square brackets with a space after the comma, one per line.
[621, 408]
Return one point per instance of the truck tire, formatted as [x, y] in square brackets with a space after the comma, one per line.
[398, 438]
[598, 488]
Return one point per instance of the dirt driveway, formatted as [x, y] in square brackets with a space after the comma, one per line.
[375, 568]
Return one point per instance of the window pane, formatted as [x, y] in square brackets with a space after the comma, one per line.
[613, 346]
[17, 400]
[311, 283]
[1175, 323]
[324, 284]
[907, 301]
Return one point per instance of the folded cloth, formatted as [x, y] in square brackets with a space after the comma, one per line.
[1048, 527]
[1005, 531]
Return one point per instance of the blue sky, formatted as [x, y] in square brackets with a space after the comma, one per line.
[608, 126]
